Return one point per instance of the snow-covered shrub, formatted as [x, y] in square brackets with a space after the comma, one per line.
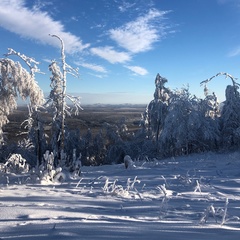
[165, 200]
[47, 173]
[128, 162]
[129, 191]
[76, 165]
[215, 213]
[15, 164]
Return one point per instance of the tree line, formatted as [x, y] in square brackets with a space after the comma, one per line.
[174, 123]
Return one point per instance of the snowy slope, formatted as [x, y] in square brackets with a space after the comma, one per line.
[194, 197]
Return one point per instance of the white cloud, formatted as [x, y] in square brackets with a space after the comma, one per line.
[137, 70]
[97, 75]
[139, 35]
[109, 54]
[235, 3]
[125, 6]
[47, 60]
[94, 67]
[36, 24]
[235, 52]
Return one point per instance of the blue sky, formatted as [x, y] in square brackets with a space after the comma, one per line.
[120, 45]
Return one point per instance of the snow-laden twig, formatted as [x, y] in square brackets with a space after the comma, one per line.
[164, 202]
[117, 189]
[163, 189]
[198, 187]
[79, 182]
[165, 181]
[73, 71]
[225, 211]
[31, 62]
[210, 211]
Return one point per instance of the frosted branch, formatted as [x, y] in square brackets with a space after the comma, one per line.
[233, 79]
[76, 102]
[72, 71]
[31, 62]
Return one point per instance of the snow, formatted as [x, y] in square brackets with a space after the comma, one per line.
[192, 197]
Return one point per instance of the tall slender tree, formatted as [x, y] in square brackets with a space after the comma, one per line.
[57, 101]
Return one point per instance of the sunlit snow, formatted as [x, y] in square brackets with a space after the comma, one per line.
[177, 198]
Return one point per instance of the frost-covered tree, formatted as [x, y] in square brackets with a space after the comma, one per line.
[16, 81]
[174, 138]
[57, 101]
[230, 114]
[36, 134]
[189, 126]
[154, 116]
[209, 131]
[230, 118]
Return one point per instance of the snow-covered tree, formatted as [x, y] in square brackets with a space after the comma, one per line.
[230, 114]
[57, 101]
[189, 126]
[36, 135]
[154, 116]
[174, 138]
[230, 118]
[16, 81]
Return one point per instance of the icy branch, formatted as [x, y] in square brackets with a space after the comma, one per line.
[76, 102]
[32, 64]
[225, 211]
[233, 79]
[72, 71]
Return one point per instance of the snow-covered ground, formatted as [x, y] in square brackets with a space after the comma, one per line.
[194, 197]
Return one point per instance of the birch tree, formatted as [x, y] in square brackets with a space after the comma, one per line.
[16, 81]
[57, 101]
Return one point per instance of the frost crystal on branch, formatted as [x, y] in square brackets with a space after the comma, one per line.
[32, 64]
[15, 81]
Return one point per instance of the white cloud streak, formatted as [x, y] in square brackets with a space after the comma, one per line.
[138, 70]
[111, 55]
[234, 53]
[94, 67]
[36, 25]
[139, 35]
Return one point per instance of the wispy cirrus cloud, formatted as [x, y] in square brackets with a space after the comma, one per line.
[94, 67]
[36, 25]
[137, 70]
[139, 35]
[111, 55]
[126, 5]
[235, 52]
[235, 3]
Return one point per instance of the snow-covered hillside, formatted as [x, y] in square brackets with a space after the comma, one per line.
[193, 197]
